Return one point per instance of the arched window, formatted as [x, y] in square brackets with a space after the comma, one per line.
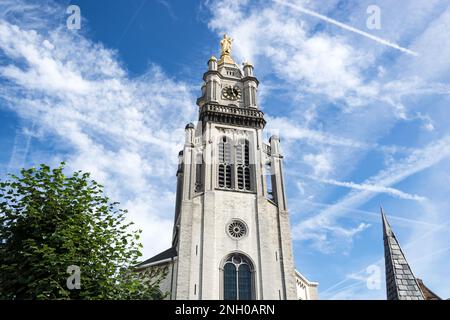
[243, 165]
[238, 283]
[225, 163]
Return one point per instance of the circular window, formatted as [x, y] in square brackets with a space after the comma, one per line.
[237, 229]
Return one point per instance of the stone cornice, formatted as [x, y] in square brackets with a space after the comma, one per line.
[221, 76]
[249, 78]
[243, 117]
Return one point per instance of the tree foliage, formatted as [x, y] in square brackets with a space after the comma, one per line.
[50, 221]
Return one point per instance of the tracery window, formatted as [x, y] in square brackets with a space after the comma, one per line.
[238, 278]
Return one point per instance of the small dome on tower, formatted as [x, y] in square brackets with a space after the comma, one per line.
[190, 126]
[274, 137]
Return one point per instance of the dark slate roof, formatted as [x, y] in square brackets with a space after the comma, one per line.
[169, 253]
[428, 294]
[400, 281]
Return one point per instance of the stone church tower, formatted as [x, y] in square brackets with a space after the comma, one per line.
[231, 235]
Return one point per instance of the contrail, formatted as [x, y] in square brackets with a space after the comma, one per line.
[20, 150]
[373, 188]
[346, 27]
[377, 215]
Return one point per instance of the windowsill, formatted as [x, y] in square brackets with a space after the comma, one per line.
[236, 190]
[272, 201]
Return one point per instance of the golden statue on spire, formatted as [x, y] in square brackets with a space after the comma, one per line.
[225, 55]
[225, 43]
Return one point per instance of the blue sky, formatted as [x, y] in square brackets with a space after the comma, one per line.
[361, 123]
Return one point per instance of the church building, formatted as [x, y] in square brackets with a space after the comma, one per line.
[231, 235]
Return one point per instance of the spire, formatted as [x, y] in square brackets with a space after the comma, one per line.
[400, 281]
[387, 231]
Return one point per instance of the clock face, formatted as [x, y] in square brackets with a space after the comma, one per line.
[231, 93]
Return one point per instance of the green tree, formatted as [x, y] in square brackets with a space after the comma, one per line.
[50, 221]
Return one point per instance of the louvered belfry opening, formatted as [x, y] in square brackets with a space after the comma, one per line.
[225, 163]
[234, 168]
[243, 165]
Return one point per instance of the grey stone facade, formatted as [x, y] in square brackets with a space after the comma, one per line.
[253, 197]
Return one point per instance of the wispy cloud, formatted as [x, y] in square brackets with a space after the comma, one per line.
[21, 147]
[291, 131]
[320, 163]
[346, 27]
[317, 228]
[169, 8]
[98, 118]
[374, 188]
[338, 100]
[353, 110]
[315, 63]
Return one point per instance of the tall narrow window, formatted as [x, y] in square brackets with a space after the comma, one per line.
[214, 95]
[230, 281]
[238, 278]
[268, 175]
[199, 173]
[245, 282]
[252, 90]
[225, 165]
[243, 165]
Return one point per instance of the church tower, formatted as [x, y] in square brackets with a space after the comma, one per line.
[231, 235]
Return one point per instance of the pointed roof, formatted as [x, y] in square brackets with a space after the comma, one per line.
[159, 258]
[400, 281]
[428, 294]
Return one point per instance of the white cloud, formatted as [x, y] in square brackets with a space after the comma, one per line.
[301, 187]
[364, 96]
[98, 119]
[291, 131]
[345, 26]
[318, 227]
[116, 126]
[330, 236]
[316, 63]
[320, 163]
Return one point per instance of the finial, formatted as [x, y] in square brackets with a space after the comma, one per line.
[248, 69]
[225, 55]
[225, 43]
[274, 137]
[386, 226]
